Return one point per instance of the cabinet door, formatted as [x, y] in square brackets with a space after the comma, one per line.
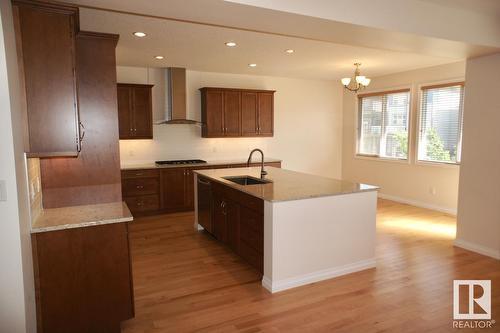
[189, 193]
[46, 42]
[142, 113]
[232, 112]
[232, 213]
[249, 114]
[125, 117]
[213, 113]
[219, 217]
[173, 189]
[266, 114]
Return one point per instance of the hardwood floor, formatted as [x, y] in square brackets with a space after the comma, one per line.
[186, 281]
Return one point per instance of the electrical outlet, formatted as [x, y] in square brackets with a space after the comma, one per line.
[432, 190]
[3, 190]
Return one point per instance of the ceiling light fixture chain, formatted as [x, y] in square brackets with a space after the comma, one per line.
[357, 82]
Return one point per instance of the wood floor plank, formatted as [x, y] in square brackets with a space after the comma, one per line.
[186, 281]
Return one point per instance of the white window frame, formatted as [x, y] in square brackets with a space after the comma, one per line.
[452, 165]
[356, 124]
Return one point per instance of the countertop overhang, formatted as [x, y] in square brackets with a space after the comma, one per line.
[81, 216]
[286, 185]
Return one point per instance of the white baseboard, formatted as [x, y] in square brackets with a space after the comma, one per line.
[275, 286]
[451, 211]
[477, 248]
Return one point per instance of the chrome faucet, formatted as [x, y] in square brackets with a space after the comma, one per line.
[262, 171]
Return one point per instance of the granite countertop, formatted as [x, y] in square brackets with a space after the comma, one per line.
[152, 165]
[286, 185]
[81, 216]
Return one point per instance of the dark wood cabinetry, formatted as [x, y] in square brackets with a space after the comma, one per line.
[237, 220]
[141, 190]
[93, 177]
[174, 185]
[135, 111]
[165, 190]
[45, 39]
[83, 279]
[237, 112]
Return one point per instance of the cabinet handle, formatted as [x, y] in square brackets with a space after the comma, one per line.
[139, 186]
[204, 182]
[139, 174]
[140, 203]
[81, 130]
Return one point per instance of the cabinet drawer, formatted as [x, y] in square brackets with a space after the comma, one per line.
[143, 203]
[141, 173]
[140, 186]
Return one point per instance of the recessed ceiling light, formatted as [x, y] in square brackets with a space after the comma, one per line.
[159, 57]
[252, 65]
[231, 44]
[290, 51]
[139, 34]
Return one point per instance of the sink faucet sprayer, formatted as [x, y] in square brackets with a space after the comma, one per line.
[262, 171]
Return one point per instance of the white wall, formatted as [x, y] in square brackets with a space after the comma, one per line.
[308, 123]
[478, 226]
[17, 301]
[409, 182]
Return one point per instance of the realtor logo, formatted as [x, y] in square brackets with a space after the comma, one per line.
[471, 299]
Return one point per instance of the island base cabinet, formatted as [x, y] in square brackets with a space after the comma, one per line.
[238, 222]
[83, 279]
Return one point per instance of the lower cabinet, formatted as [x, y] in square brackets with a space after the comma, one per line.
[174, 185]
[83, 279]
[141, 190]
[165, 190]
[238, 222]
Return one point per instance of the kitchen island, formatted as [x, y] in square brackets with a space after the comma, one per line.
[295, 228]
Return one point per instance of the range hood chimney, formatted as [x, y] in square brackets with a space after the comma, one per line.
[176, 112]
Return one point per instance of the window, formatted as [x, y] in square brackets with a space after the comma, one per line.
[383, 124]
[441, 113]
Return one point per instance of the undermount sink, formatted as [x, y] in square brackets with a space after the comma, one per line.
[247, 180]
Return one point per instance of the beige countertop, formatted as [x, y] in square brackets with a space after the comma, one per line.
[152, 165]
[286, 185]
[81, 216]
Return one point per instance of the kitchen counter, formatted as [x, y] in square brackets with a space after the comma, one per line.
[153, 165]
[81, 216]
[286, 185]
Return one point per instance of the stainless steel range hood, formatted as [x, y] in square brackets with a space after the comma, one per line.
[176, 110]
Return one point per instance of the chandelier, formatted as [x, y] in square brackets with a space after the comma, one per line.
[357, 82]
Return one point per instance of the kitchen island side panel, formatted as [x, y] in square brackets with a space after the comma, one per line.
[316, 239]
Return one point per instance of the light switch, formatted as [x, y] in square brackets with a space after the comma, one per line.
[3, 190]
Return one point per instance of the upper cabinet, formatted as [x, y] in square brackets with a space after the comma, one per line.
[237, 112]
[135, 115]
[45, 38]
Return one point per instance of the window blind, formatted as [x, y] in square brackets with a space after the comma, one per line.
[383, 124]
[441, 116]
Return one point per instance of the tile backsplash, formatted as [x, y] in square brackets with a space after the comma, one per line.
[35, 187]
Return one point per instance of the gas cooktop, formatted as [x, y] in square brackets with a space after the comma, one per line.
[181, 162]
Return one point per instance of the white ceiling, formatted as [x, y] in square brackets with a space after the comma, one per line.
[201, 47]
